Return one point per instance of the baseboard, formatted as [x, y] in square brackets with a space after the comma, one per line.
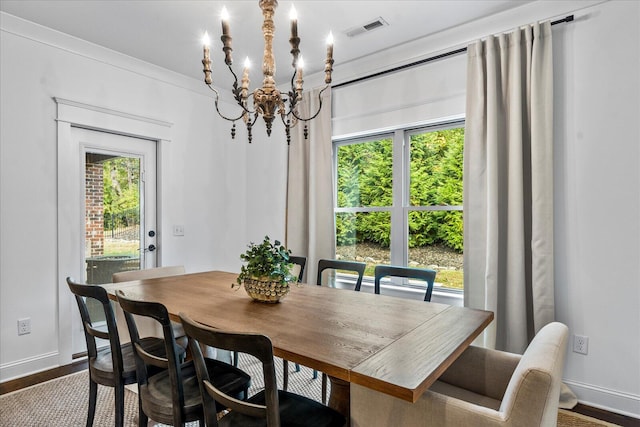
[609, 400]
[32, 365]
[40, 377]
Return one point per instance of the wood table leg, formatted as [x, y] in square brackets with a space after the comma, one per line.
[340, 396]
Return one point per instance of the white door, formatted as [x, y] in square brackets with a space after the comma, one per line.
[118, 208]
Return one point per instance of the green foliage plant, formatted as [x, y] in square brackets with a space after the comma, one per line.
[267, 261]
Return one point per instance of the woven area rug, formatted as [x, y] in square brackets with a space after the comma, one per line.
[63, 401]
[572, 419]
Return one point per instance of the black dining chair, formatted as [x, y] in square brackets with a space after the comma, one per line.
[334, 264]
[300, 261]
[427, 275]
[173, 395]
[113, 365]
[270, 407]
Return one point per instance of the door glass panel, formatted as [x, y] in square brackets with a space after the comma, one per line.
[112, 216]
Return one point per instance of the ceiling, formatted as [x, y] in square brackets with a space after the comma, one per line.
[168, 33]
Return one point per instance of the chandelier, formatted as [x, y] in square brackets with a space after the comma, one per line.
[268, 101]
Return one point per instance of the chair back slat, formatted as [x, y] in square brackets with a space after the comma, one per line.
[429, 276]
[151, 359]
[98, 333]
[334, 264]
[251, 409]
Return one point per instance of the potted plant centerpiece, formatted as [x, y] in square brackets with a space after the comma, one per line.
[266, 276]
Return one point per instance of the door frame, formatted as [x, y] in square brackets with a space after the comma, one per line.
[77, 114]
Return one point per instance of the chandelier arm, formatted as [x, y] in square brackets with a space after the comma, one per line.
[293, 94]
[293, 113]
[255, 118]
[237, 92]
[218, 109]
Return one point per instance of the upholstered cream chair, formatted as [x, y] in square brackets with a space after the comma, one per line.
[481, 388]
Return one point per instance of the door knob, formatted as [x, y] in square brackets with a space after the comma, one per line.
[151, 248]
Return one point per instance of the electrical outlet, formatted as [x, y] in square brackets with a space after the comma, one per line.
[178, 230]
[580, 344]
[24, 326]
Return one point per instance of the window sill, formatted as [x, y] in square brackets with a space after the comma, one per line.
[439, 295]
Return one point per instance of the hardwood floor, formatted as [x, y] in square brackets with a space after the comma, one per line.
[19, 383]
[80, 365]
[607, 416]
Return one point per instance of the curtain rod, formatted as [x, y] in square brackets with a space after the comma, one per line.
[568, 18]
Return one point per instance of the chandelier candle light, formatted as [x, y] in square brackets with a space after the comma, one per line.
[267, 100]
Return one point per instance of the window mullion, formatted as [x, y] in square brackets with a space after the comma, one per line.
[399, 225]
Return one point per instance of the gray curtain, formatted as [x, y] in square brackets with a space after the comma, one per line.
[310, 223]
[508, 184]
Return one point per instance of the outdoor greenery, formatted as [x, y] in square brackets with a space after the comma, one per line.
[121, 177]
[365, 180]
[121, 247]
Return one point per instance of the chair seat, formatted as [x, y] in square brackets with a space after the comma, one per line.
[295, 411]
[102, 366]
[157, 393]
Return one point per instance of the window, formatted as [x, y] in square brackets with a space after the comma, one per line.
[399, 200]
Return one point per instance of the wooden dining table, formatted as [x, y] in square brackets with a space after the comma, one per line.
[391, 345]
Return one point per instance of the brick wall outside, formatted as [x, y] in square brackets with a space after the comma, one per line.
[94, 202]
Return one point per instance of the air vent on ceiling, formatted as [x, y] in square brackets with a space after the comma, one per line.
[365, 28]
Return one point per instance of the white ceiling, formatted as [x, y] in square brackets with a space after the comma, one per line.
[168, 33]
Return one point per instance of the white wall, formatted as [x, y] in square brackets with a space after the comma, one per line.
[598, 201]
[225, 195]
